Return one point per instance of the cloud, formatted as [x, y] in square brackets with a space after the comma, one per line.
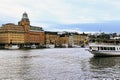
[63, 11]
[47, 13]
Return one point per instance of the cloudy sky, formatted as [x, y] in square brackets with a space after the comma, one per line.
[65, 15]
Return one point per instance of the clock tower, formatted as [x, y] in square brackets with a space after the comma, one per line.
[25, 23]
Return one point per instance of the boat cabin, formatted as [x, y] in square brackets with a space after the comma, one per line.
[104, 48]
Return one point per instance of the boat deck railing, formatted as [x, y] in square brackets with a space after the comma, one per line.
[104, 43]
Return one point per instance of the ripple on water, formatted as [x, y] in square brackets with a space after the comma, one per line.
[57, 64]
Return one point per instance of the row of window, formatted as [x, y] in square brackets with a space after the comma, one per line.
[106, 48]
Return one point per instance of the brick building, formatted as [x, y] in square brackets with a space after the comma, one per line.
[65, 39]
[23, 34]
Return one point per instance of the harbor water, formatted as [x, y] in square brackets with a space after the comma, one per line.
[57, 64]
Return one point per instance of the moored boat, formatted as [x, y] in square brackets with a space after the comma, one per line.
[11, 47]
[33, 46]
[104, 49]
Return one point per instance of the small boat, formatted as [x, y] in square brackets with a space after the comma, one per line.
[11, 47]
[104, 49]
[76, 46]
[33, 46]
[50, 46]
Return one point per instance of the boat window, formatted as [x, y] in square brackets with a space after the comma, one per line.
[110, 48]
[113, 48]
[105, 48]
[98, 48]
[102, 48]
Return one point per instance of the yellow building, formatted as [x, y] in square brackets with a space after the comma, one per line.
[79, 39]
[22, 34]
[11, 33]
[51, 38]
[54, 38]
[26, 35]
[63, 40]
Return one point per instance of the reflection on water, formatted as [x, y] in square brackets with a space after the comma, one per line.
[105, 67]
[104, 62]
[57, 64]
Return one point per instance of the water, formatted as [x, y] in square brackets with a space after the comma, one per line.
[57, 64]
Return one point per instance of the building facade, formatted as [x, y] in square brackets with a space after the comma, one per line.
[25, 35]
[80, 39]
[22, 34]
[11, 33]
[65, 39]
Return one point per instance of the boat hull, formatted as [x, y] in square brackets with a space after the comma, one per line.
[105, 53]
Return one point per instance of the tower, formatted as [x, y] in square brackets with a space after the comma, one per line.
[25, 23]
[25, 17]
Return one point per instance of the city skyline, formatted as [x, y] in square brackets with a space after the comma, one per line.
[65, 15]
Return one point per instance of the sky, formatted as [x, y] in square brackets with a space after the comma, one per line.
[65, 15]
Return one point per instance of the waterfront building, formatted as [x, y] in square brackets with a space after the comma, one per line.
[80, 39]
[56, 39]
[51, 38]
[11, 33]
[65, 39]
[23, 34]
[33, 34]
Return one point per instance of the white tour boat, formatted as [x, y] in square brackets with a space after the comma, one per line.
[104, 49]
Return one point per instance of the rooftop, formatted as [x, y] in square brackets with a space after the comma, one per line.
[11, 27]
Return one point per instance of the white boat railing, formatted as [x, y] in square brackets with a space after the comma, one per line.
[104, 44]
